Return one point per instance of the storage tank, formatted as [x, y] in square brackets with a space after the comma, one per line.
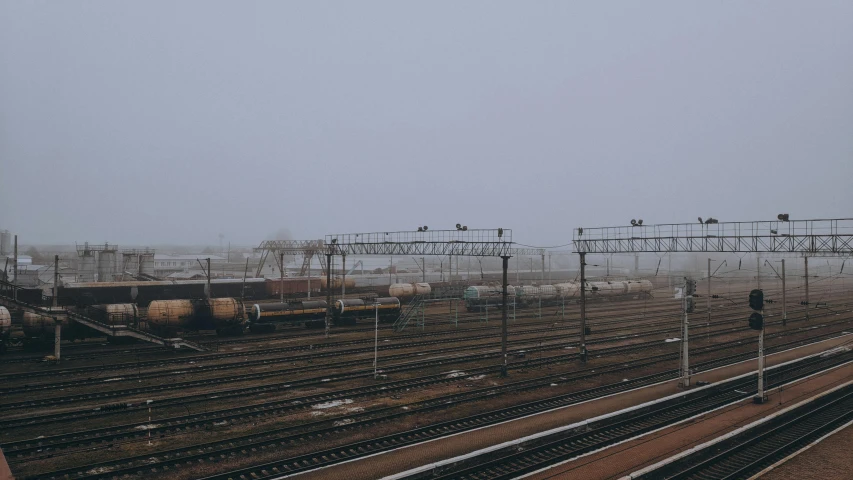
[421, 289]
[146, 264]
[5, 322]
[106, 265]
[170, 313]
[5, 242]
[86, 269]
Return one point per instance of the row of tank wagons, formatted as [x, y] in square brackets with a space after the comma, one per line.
[264, 317]
[478, 297]
[142, 293]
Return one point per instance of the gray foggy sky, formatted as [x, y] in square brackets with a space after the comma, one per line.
[170, 122]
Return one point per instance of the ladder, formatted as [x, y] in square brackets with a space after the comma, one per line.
[414, 306]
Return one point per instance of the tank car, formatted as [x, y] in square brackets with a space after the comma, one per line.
[347, 311]
[5, 328]
[225, 315]
[408, 290]
[478, 298]
[264, 316]
[531, 295]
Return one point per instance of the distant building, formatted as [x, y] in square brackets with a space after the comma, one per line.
[22, 260]
[165, 265]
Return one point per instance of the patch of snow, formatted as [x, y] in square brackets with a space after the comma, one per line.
[149, 426]
[113, 379]
[326, 380]
[477, 377]
[670, 340]
[455, 373]
[317, 413]
[345, 421]
[219, 424]
[553, 384]
[331, 404]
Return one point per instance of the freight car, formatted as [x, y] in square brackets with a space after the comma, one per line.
[143, 293]
[5, 329]
[39, 328]
[478, 298]
[348, 311]
[264, 316]
[225, 315]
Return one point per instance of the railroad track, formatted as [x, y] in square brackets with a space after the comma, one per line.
[313, 354]
[168, 462]
[278, 386]
[175, 425]
[452, 356]
[301, 348]
[218, 341]
[755, 449]
[322, 429]
[513, 462]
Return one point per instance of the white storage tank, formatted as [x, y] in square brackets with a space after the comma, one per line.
[422, 289]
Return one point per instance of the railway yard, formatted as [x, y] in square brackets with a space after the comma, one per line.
[294, 401]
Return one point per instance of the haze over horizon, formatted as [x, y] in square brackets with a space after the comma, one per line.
[172, 122]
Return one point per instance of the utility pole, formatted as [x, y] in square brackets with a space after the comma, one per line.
[281, 277]
[243, 287]
[806, 259]
[543, 270]
[328, 292]
[343, 276]
[504, 368]
[423, 270]
[208, 279]
[57, 338]
[55, 279]
[709, 292]
[686, 303]
[582, 348]
[15, 270]
[761, 397]
[758, 270]
[784, 297]
[309, 277]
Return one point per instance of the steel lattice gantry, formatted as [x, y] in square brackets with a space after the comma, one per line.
[307, 248]
[808, 237]
[476, 243]
[819, 237]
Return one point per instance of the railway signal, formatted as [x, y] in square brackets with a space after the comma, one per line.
[756, 300]
[756, 321]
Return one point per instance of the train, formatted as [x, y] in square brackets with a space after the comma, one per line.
[84, 294]
[312, 314]
[482, 297]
